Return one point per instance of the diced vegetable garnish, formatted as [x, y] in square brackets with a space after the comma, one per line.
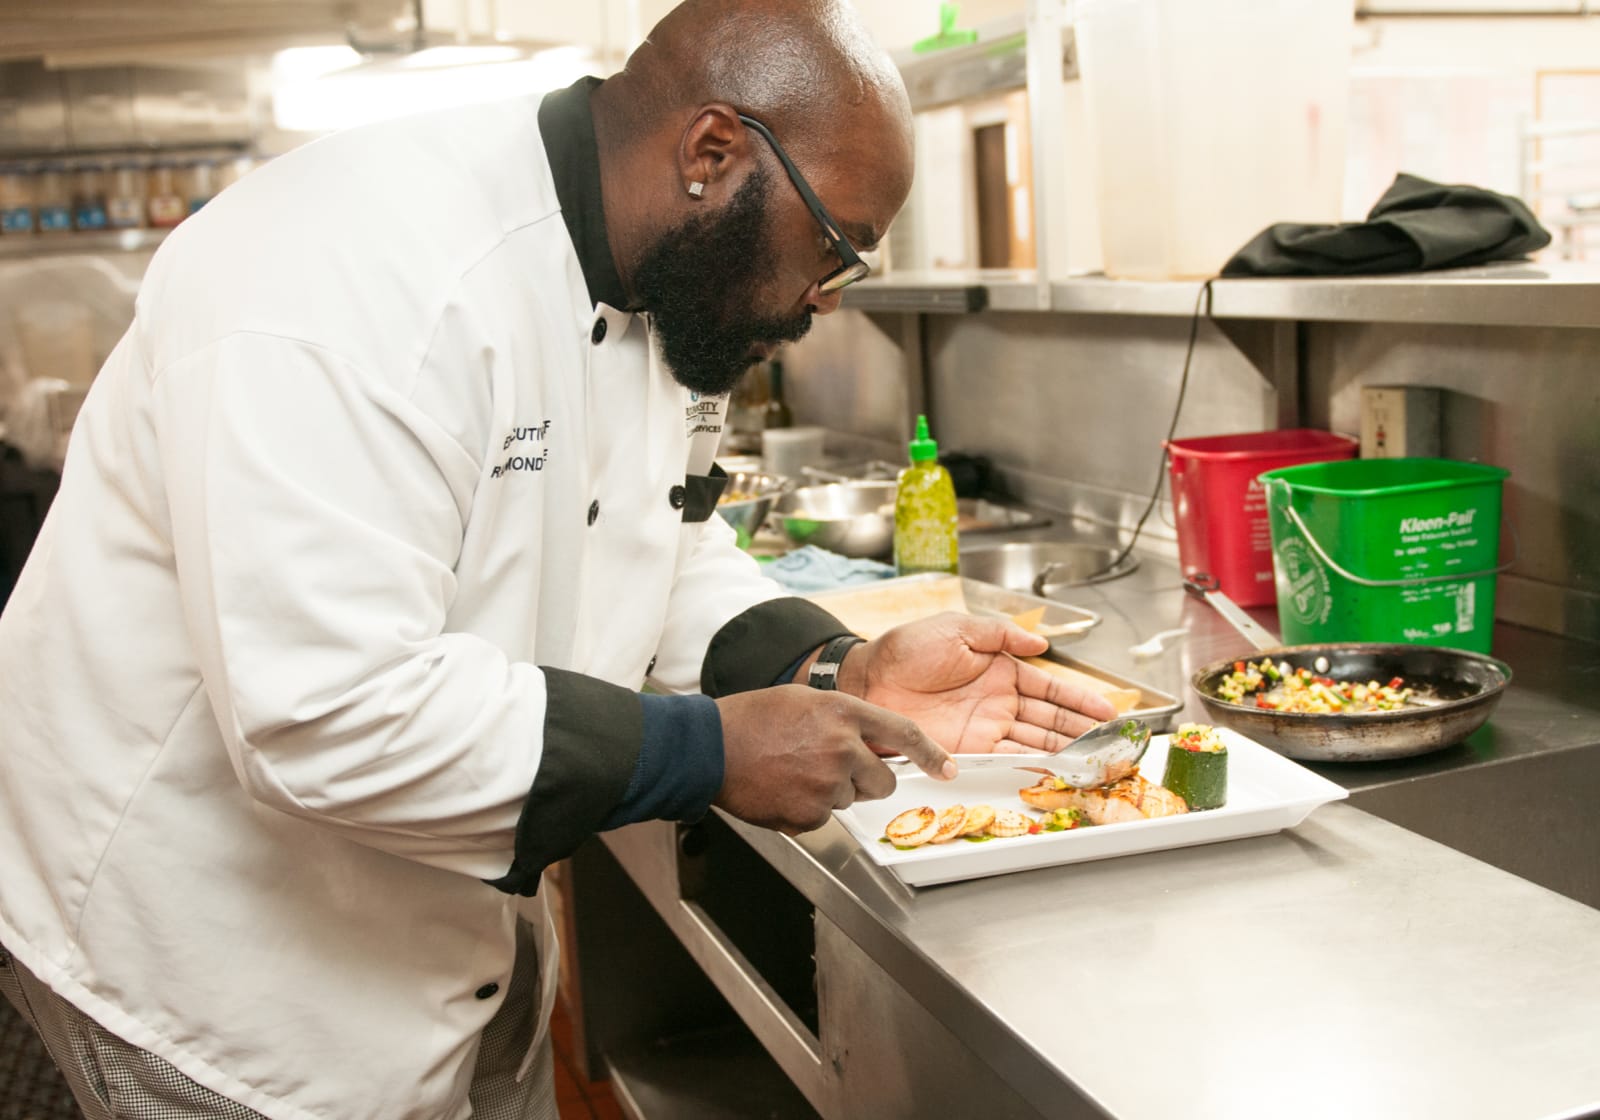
[1063, 820]
[1198, 737]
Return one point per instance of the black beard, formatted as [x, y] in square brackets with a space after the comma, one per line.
[697, 281]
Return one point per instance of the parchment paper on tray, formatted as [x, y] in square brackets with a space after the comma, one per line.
[871, 610]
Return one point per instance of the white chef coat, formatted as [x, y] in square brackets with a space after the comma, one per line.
[270, 703]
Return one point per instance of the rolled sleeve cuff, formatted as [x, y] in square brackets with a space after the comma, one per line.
[756, 648]
[680, 762]
[593, 736]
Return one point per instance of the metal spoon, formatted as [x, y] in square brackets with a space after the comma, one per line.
[1098, 757]
[1101, 755]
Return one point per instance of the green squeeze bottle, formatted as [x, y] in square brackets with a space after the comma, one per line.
[925, 511]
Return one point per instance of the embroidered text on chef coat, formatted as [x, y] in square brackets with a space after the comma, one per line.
[702, 415]
[532, 452]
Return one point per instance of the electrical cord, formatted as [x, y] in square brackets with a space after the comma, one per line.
[1202, 297]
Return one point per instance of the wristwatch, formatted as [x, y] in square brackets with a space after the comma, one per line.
[825, 669]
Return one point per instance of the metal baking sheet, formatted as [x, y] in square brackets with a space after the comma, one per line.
[1157, 708]
[890, 602]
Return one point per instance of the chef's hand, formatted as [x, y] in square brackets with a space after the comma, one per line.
[794, 754]
[958, 677]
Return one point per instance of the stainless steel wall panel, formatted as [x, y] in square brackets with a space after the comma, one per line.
[1084, 398]
[181, 105]
[33, 109]
[857, 375]
[100, 107]
[1524, 398]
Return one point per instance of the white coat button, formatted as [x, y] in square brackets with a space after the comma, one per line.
[487, 990]
[598, 335]
[594, 511]
[677, 496]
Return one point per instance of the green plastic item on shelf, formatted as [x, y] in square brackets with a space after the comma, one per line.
[949, 35]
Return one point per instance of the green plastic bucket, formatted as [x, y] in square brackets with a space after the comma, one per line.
[1386, 550]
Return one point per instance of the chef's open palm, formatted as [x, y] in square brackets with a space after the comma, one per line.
[958, 677]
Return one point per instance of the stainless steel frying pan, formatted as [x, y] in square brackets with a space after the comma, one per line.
[1456, 690]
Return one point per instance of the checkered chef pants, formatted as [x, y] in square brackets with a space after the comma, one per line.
[113, 1080]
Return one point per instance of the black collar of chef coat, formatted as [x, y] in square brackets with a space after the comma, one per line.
[568, 130]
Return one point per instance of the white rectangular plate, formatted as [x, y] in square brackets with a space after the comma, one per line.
[1266, 792]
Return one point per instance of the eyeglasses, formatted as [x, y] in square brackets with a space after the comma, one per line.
[853, 268]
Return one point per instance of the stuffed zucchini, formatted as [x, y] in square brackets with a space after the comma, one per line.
[1197, 766]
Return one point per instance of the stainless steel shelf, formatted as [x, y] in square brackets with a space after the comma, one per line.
[708, 1075]
[947, 290]
[1558, 294]
[100, 241]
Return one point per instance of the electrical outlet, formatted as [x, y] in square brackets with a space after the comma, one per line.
[1399, 421]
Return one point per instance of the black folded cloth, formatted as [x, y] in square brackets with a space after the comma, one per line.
[1416, 225]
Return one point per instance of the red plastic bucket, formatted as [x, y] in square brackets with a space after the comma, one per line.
[1221, 508]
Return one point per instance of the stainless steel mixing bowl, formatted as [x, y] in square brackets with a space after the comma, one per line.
[850, 518]
[747, 500]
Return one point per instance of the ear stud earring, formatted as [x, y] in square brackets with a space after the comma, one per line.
[696, 189]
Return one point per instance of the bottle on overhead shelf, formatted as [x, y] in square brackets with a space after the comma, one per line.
[89, 197]
[125, 196]
[925, 538]
[53, 199]
[16, 199]
[198, 184]
[777, 414]
[165, 205]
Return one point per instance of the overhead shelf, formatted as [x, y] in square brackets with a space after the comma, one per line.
[1557, 294]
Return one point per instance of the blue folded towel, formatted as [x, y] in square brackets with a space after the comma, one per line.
[816, 569]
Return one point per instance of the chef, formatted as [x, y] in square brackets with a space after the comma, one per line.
[377, 522]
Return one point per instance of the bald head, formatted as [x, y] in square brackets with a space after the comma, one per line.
[749, 151]
[790, 63]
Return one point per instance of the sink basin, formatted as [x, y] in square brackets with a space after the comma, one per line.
[1063, 564]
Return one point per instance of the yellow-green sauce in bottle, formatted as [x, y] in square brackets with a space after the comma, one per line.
[925, 511]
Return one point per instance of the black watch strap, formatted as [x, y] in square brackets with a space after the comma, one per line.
[825, 669]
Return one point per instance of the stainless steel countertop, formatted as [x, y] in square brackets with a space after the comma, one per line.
[1343, 968]
[1552, 705]
[1347, 967]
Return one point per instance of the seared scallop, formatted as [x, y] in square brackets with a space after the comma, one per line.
[913, 828]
